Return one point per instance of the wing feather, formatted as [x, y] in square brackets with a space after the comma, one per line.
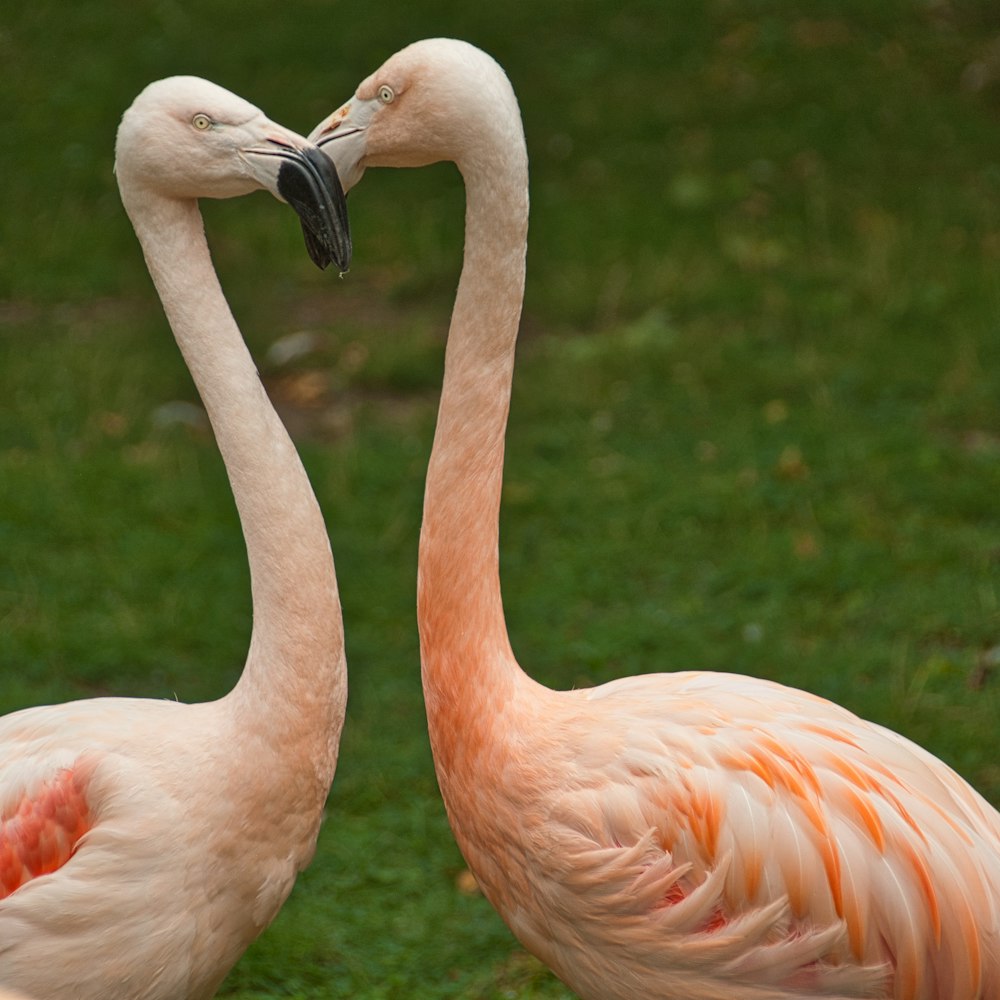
[762, 829]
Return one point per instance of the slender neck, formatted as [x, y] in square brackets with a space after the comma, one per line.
[295, 669]
[465, 650]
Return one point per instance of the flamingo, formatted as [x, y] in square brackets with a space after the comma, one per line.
[687, 835]
[145, 844]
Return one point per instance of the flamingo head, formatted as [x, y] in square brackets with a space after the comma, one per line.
[186, 138]
[434, 100]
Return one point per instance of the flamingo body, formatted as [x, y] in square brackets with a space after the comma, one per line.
[758, 842]
[670, 836]
[144, 844]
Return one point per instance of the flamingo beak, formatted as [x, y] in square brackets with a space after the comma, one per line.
[342, 138]
[308, 181]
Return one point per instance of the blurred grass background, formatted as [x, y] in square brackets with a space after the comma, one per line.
[756, 418]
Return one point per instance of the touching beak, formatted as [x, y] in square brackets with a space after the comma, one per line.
[307, 180]
[342, 137]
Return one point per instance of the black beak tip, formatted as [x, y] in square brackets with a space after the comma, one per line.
[309, 183]
[322, 255]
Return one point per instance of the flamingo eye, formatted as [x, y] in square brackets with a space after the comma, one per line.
[386, 94]
[201, 122]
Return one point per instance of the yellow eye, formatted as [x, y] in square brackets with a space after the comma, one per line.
[386, 94]
[201, 122]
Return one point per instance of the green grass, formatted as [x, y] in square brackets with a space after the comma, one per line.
[755, 426]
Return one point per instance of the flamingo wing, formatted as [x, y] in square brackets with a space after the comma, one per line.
[763, 835]
[40, 830]
[68, 770]
[87, 830]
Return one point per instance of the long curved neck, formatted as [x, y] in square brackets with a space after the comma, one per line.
[295, 671]
[465, 650]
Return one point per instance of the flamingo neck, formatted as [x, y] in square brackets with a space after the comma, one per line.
[294, 681]
[465, 651]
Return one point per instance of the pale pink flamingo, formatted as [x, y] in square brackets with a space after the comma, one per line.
[685, 835]
[144, 844]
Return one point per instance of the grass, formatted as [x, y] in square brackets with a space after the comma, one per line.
[755, 427]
